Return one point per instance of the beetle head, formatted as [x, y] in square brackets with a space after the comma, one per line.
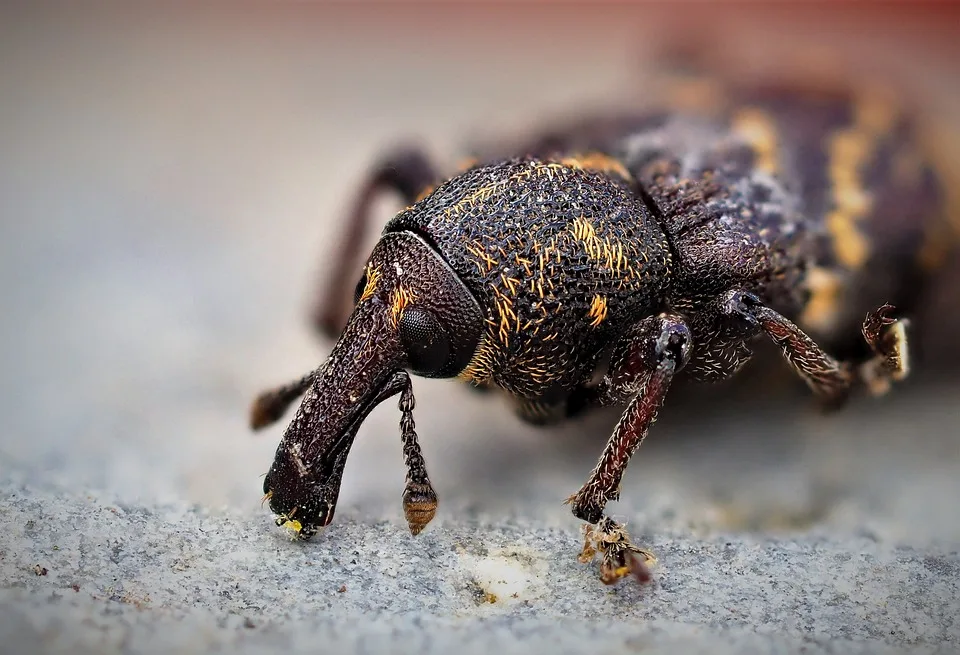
[412, 313]
[520, 272]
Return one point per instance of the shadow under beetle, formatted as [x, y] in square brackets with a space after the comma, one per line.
[593, 264]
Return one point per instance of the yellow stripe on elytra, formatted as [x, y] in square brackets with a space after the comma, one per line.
[849, 150]
[940, 142]
[758, 128]
[822, 309]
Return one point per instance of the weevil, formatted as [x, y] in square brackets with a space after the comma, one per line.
[594, 264]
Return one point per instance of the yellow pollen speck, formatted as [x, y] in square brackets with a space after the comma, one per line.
[598, 310]
[758, 129]
[294, 526]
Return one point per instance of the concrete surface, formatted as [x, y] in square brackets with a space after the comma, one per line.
[168, 185]
[183, 579]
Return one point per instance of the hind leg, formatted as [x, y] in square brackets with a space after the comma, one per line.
[830, 379]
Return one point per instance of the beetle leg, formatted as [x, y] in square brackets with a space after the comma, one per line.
[419, 498]
[829, 378]
[643, 364]
[270, 405]
[406, 171]
[887, 338]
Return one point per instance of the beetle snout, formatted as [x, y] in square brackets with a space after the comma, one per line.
[412, 312]
[302, 502]
[303, 483]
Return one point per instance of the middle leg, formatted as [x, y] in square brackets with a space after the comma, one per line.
[643, 364]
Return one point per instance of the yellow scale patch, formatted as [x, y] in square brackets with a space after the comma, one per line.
[598, 310]
[597, 161]
[402, 296]
[480, 367]
[294, 526]
[373, 277]
[609, 253]
[487, 191]
[484, 262]
[504, 305]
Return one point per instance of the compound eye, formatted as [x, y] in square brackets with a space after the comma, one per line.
[425, 341]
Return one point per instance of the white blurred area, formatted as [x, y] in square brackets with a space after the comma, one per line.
[172, 177]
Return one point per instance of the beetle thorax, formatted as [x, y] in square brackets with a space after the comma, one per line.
[560, 257]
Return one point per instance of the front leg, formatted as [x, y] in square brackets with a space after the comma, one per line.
[643, 364]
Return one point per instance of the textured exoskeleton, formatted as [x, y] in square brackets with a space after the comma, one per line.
[594, 264]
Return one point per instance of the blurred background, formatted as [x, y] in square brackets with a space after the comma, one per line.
[172, 180]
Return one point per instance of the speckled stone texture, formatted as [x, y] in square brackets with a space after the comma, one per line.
[121, 576]
[169, 182]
